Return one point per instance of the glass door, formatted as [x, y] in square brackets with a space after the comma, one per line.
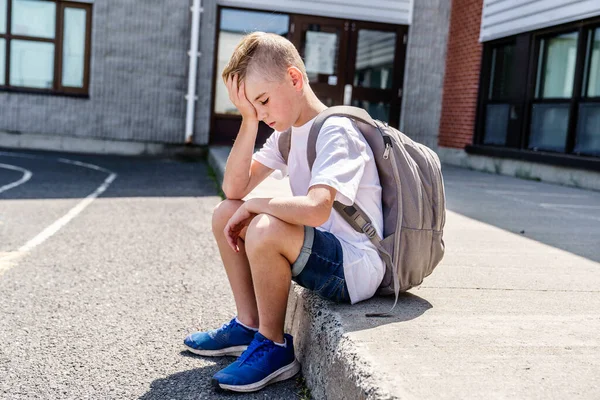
[354, 63]
[323, 43]
[376, 69]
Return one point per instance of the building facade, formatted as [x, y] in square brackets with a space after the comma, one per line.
[92, 76]
[497, 85]
[522, 89]
[102, 76]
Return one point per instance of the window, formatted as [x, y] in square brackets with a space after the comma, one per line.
[588, 124]
[498, 109]
[555, 78]
[45, 46]
[540, 93]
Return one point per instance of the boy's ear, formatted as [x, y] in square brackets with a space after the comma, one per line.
[296, 77]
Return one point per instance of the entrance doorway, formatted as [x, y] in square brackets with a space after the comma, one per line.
[348, 62]
[353, 63]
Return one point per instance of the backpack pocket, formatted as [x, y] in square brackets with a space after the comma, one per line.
[415, 257]
[438, 248]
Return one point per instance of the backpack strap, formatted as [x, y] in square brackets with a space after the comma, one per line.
[354, 215]
[361, 222]
[355, 113]
[285, 144]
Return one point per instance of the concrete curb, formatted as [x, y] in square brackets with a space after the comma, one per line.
[332, 367]
[330, 363]
[94, 146]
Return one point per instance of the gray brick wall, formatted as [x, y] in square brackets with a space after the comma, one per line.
[138, 79]
[424, 70]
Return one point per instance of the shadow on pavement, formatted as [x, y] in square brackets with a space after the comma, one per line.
[50, 178]
[196, 384]
[410, 306]
[564, 217]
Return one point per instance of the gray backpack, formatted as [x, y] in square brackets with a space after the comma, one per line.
[413, 201]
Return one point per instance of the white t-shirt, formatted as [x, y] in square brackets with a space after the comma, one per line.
[344, 162]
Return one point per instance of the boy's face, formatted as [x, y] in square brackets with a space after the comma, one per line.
[276, 103]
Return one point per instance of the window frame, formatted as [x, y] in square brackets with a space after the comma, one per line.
[57, 86]
[532, 95]
[529, 47]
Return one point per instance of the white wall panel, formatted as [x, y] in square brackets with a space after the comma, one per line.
[386, 11]
[501, 18]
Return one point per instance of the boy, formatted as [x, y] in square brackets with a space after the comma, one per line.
[265, 243]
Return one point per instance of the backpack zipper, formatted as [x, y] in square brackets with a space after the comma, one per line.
[441, 200]
[399, 220]
[388, 146]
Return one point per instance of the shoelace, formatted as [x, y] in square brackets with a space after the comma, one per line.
[254, 351]
[223, 329]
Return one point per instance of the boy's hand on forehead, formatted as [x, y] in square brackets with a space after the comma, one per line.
[237, 95]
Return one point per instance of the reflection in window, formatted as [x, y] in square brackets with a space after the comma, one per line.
[502, 74]
[593, 65]
[549, 125]
[375, 59]
[496, 124]
[2, 60]
[588, 130]
[33, 18]
[556, 66]
[235, 24]
[3, 16]
[31, 64]
[379, 110]
[74, 47]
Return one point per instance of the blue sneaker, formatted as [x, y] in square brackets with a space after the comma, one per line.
[261, 364]
[229, 340]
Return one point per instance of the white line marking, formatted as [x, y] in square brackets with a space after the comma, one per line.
[9, 260]
[559, 209]
[65, 219]
[584, 207]
[491, 186]
[26, 176]
[62, 160]
[527, 193]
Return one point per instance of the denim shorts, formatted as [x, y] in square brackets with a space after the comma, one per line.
[319, 266]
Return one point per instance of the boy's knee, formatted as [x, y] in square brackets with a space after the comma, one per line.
[223, 212]
[264, 230]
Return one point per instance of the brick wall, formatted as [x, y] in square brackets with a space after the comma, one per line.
[461, 82]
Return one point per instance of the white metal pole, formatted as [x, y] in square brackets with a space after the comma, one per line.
[193, 53]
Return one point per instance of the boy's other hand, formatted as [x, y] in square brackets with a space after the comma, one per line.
[237, 95]
[236, 224]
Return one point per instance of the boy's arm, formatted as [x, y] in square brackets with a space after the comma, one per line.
[242, 173]
[313, 209]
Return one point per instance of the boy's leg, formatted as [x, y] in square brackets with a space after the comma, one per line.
[236, 265]
[272, 245]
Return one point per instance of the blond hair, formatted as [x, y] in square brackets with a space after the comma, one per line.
[266, 54]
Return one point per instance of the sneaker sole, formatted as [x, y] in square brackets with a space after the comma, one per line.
[229, 351]
[281, 374]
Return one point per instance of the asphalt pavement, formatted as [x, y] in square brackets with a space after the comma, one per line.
[101, 278]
